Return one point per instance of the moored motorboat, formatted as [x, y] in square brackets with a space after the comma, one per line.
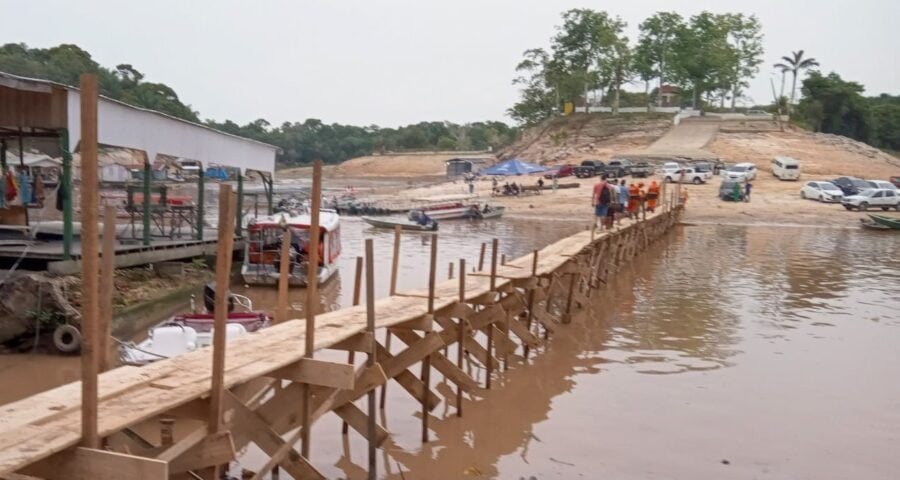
[187, 332]
[403, 223]
[262, 256]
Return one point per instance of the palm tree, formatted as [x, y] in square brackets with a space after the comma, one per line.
[795, 64]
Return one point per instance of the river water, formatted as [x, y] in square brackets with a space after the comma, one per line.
[722, 352]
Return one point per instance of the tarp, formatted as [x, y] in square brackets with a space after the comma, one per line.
[513, 167]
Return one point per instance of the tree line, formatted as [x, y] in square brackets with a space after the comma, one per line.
[300, 142]
[709, 56]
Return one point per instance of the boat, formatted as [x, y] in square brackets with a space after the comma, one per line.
[403, 223]
[883, 222]
[457, 210]
[186, 332]
[263, 249]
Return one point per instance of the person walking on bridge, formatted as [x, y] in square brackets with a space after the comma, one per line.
[634, 200]
[601, 200]
[622, 190]
[652, 195]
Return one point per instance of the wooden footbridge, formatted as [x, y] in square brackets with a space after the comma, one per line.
[268, 389]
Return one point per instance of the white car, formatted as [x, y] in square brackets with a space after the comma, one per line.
[669, 168]
[882, 184]
[873, 198]
[687, 175]
[740, 172]
[822, 191]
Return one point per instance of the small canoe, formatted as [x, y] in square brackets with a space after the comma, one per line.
[885, 221]
[403, 223]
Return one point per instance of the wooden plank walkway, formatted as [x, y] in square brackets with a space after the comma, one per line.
[42, 426]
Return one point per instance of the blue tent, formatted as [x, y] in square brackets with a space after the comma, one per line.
[513, 167]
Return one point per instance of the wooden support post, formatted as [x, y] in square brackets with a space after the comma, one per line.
[225, 251]
[460, 344]
[503, 259]
[351, 355]
[426, 362]
[450, 271]
[370, 357]
[481, 256]
[395, 260]
[490, 332]
[90, 306]
[284, 276]
[567, 318]
[107, 286]
[312, 294]
[395, 263]
[531, 293]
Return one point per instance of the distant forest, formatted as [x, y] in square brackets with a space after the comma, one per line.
[301, 142]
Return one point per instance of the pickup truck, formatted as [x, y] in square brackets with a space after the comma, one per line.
[641, 170]
[688, 175]
[620, 166]
[589, 168]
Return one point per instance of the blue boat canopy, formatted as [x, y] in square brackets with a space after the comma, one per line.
[513, 166]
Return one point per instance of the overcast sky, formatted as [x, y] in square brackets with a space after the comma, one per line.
[396, 62]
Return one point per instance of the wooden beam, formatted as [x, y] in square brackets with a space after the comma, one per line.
[312, 293]
[223, 277]
[372, 428]
[461, 334]
[317, 372]
[260, 433]
[424, 323]
[358, 419]
[215, 449]
[440, 362]
[107, 286]
[90, 305]
[361, 342]
[82, 463]
[284, 276]
[395, 260]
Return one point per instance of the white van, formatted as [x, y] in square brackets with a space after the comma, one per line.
[786, 168]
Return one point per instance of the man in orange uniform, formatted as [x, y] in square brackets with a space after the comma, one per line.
[634, 200]
[652, 195]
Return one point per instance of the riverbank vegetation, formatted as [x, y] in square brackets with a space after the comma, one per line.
[300, 142]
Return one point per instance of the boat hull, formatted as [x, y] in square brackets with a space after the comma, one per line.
[256, 274]
[887, 222]
[402, 223]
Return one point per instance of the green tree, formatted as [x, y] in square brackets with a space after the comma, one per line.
[703, 59]
[795, 64]
[655, 48]
[745, 37]
[832, 105]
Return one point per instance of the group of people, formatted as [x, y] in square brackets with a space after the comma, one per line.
[612, 201]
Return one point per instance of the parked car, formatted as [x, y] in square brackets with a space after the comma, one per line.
[688, 175]
[757, 112]
[561, 171]
[741, 172]
[641, 170]
[620, 165]
[873, 198]
[895, 181]
[589, 168]
[882, 184]
[822, 191]
[851, 185]
[670, 168]
[726, 190]
[786, 168]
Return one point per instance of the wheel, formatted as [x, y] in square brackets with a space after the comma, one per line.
[66, 338]
[863, 206]
[697, 181]
[848, 207]
[668, 180]
[885, 208]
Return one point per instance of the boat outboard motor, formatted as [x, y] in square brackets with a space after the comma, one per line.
[209, 298]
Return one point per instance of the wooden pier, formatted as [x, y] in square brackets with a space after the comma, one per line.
[261, 387]
[266, 372]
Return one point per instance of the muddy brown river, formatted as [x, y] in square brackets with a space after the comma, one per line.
[722, 352]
